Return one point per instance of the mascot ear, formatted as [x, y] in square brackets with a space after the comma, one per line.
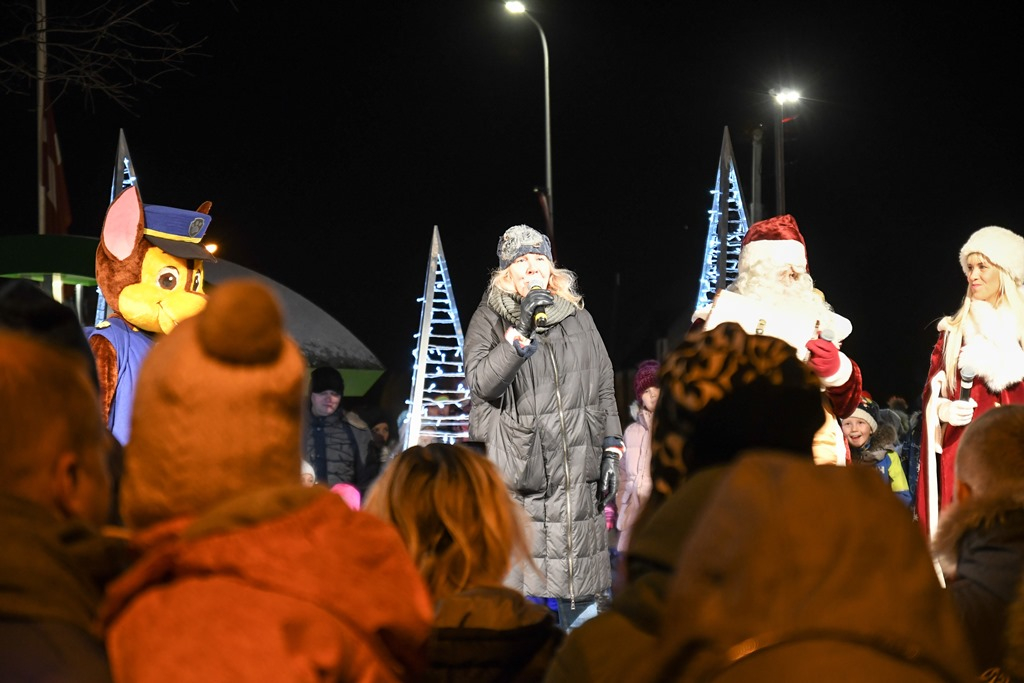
[122, 228]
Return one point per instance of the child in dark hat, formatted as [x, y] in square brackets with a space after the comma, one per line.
[872, 442]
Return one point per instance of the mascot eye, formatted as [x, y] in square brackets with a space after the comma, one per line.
[197, 281]
[167, 278]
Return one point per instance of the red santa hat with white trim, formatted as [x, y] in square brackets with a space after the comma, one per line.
[776, 239]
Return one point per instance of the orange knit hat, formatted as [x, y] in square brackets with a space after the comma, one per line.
[218, 409]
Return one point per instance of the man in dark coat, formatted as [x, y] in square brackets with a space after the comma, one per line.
[980, 537]
[337, 442]
[54, 495]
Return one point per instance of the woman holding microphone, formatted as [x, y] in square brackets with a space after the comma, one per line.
[977, 362]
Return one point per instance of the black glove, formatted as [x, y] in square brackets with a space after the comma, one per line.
[608, 484]
[534, 299]
[526, 350]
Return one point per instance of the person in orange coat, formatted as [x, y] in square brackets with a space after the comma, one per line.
[244, 573]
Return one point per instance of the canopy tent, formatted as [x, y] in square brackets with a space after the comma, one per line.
[324, 340]
[59, 261]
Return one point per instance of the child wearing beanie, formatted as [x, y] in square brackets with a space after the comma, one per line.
[872, 443]
[635, 466]
[246, 574]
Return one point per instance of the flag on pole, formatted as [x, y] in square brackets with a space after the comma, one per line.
[58, 206]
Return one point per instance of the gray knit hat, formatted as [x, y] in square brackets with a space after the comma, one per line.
[519, 240]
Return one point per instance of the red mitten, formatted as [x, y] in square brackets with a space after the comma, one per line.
[824, 360]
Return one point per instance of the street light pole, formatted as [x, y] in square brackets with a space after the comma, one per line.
[516, 7]
[781, 97]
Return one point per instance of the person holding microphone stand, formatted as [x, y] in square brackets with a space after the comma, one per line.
[543, 403]
[977, 362]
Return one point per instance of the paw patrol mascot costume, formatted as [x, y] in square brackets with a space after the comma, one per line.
[149, 268]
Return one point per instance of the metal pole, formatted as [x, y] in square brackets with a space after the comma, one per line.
[780, 164]
[547, 120]
[40, 113]
[755, 174]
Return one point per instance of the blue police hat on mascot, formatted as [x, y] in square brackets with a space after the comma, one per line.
[178, 231]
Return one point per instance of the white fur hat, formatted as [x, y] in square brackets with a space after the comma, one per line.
[1000, 246]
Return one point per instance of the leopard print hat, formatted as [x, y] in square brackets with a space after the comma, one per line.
[724, 391]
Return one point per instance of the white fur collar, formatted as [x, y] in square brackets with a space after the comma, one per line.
[991, 345]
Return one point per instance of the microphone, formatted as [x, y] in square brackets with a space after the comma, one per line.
[540, 314]
[966, 382]
[828, 334]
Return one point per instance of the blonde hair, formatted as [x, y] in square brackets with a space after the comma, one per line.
[562, 283]
[48, 404]
[1009, 294]
[454, 514]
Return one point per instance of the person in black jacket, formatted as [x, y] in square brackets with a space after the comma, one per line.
[337, 443]
[979, 541]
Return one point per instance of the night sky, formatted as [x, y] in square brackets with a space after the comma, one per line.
[332, 141]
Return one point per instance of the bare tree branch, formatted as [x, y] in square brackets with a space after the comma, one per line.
[108, 50]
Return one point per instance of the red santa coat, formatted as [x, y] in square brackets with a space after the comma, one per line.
[939, 441]
[318, 593]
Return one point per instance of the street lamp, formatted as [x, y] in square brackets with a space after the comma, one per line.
[782, 97]
[516, 7]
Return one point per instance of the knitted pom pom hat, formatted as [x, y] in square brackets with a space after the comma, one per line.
[1000, 246]
[218, 409]
[646, 377]
[867, 410]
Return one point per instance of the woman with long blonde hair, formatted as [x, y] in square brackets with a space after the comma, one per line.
[977, 362]
[464, 532]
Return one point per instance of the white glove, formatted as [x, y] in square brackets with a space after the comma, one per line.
[957, 413]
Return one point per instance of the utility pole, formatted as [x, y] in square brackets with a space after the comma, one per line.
[40, 112]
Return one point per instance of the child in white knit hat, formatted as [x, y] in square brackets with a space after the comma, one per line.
[873, 444]
[308, 476]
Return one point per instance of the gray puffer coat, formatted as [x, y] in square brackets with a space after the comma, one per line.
[544, 420]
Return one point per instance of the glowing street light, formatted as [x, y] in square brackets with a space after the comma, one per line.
[782, 97]
[516, 7]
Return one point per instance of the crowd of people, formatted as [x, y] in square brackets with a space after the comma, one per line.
[761, 516]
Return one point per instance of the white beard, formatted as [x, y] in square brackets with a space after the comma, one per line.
[774, 284]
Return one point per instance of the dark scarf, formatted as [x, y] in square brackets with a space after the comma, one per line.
[507, 306]
[53, 570]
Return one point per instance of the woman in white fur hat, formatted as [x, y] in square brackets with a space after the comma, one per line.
[977, 363]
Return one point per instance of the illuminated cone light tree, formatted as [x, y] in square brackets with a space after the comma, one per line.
[438, 405]
[727, 224]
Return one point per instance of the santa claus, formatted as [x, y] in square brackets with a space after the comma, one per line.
[774, 295]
